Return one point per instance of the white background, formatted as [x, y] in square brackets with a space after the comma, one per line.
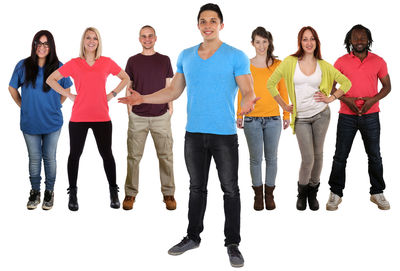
[358, 236]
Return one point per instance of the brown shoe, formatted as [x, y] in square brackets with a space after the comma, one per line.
[258, 198]
[269, 197]
[170, 202]
[128, 202]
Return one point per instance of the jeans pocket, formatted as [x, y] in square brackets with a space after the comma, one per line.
[248, 119]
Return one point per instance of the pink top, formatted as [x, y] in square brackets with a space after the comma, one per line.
[364, 78]
[90, 104]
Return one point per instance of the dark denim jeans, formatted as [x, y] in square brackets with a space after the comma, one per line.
[347, 127]
[199, 148]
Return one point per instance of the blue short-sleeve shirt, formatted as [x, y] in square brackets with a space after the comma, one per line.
[40, 111]
[212, 88]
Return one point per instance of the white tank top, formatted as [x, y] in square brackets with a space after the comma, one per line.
[305, 88]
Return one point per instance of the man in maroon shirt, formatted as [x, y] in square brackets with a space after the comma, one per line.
[149, 72]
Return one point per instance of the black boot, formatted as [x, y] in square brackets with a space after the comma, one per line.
[114, 197]
[302, 197]
[73, 200]
[312, 197]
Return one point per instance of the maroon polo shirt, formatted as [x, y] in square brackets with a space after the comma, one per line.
[148, 75]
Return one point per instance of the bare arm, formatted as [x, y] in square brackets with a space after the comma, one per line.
[249, 99]
[282, 103]
[15, 95]
[124, 81]
[63, 98]
[162, 96]
[170, 104]
[128, 93]
[52, 81]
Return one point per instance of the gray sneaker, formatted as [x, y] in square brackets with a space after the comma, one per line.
[333, 202]
[34, 199]
[380, 200]
[235, 257]
[185, 245]
[48, 200]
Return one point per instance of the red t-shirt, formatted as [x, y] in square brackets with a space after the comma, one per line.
[364, 78]
[90, 104]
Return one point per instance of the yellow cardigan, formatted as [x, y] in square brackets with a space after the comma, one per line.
[286, 70]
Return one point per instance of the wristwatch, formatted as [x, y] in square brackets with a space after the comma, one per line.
[114, 93]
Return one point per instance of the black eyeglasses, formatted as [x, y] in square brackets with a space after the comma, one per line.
[40, 44]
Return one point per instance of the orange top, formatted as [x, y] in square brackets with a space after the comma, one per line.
[266, 106]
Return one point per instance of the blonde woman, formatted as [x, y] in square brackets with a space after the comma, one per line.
[90, 110]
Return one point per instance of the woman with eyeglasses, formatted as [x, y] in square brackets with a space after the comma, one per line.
[90, 71]
[309, 81]
[41, 117]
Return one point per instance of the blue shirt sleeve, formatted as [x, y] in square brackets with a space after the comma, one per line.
[17, 78]
[241, 64]
[179, 64]
[65, 82]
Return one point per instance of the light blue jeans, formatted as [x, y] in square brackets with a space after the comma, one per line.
[43, 146]
[262, 135]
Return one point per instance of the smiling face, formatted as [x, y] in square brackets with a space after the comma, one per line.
[209, 25]
[90, 42]
[261, 45]
[42, 47]
[359, 40]
[308, 42]
[147, 38]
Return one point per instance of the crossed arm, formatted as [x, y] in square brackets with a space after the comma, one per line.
[368, 101]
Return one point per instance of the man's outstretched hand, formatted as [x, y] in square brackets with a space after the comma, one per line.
[134, 99]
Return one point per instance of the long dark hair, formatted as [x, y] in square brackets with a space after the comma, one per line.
[260, 31]
[31, 62]
[300, 50]
[347, 40]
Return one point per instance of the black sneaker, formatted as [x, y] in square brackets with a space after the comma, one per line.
[235, 257]
[48, 200]
[34, 199]
[185, 245]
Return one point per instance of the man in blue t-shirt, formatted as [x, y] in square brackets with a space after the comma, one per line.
[212, 72]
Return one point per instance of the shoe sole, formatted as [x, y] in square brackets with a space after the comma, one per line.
[329, 208]
[46, 208]
[237, 265]
[179, 253]
[379, 206]
[127, 208]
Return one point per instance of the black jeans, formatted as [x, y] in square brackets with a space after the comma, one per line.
[77, 136]
[199, 148]
[369, 127]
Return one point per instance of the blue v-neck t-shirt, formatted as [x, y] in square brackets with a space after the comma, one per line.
[212, 88]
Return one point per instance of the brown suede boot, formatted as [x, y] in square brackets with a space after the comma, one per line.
[269, 197]
[258, 198]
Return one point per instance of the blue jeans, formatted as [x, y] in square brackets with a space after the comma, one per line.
[199, 149]
[43, 146]
[347, 127]
[262, 135]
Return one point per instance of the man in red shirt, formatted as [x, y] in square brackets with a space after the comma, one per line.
[149, 72]
[359, 111]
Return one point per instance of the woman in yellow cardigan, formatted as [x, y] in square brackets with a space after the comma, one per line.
[309, 81]
[262, 127]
